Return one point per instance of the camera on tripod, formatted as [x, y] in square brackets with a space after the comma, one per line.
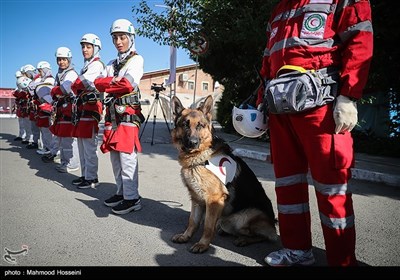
[158, 88]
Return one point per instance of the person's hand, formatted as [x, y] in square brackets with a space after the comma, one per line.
[345, 114]
[116, 80]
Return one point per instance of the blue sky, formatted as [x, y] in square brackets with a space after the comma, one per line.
[31, 31]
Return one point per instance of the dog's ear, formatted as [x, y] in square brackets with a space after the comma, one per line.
[177, 106]
[207, 105]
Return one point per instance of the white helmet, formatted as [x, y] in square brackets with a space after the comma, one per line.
[63, 52]
[249, 122]
[26, 68]
[18, 74]
[23, 82]
[91, 39]
[43, 64]
[122, 25]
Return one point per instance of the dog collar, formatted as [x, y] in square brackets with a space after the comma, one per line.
[223, 166]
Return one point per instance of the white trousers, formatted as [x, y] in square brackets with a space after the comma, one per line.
[35, 132]
[47, 138]
[69, 154]
[21, 125]
[28, 129]
[126, 173]
[88, 157]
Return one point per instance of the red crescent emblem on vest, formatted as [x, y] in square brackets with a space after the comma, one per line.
[221, 162]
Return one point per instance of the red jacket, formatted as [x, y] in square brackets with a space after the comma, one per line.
[44, 115]
[91, 112]
[62, 125]
[125, 138]
[323, 33]
[21, 102]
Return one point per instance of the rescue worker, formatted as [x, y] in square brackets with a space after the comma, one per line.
[62, 127]
[18, 110]
[22, 99]
[334, 38]
[30, 72]
[44, 106]
[18, 113]
[123, 117]
[90, 110]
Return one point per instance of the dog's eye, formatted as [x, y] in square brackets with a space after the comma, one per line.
[200, 125]
[186, 124]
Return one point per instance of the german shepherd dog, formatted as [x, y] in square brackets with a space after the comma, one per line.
[225, 193]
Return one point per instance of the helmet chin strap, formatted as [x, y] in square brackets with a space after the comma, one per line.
[132, 48]
[96, 54]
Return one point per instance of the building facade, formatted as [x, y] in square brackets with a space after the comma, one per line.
[189, 80]
[7, 100]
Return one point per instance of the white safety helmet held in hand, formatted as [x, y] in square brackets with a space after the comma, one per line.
[23, 82]
[18, 74]
[63, 52]
[249, 122]
[26, 68]
[91, 39]
[43, 64]
[122, 25]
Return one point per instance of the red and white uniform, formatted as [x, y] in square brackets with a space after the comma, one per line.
[21, 102]
[20, 111]
[44, 112]
[61, 93]
[125, 138]
[44, 106]
[90, 112]
[316, 34]
[32, 106]
[32, 109]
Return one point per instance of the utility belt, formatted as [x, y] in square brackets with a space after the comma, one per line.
[129, 99]
[127, 118]
[77, 115]
[90, 97]
[296, 90]
[91, 114]
[118, 105]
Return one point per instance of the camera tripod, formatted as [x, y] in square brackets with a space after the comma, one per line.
[153, 109]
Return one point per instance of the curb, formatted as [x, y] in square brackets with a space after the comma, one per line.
[359, 174]
[378, 177]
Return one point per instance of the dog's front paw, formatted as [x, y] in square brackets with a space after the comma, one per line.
[180, 238]
[199, 248]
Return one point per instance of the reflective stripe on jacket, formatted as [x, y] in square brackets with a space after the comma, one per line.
[315, 34]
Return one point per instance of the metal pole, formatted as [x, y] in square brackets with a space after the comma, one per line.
[170, 105]
[195, 83]
[172, 92]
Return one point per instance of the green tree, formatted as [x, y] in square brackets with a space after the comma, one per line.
[235, 31]
[385, 66]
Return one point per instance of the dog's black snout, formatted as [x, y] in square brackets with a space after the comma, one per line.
[194, 142]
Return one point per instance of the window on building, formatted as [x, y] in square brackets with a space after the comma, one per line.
[190, 85]
[204, 86]
[165, 81]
